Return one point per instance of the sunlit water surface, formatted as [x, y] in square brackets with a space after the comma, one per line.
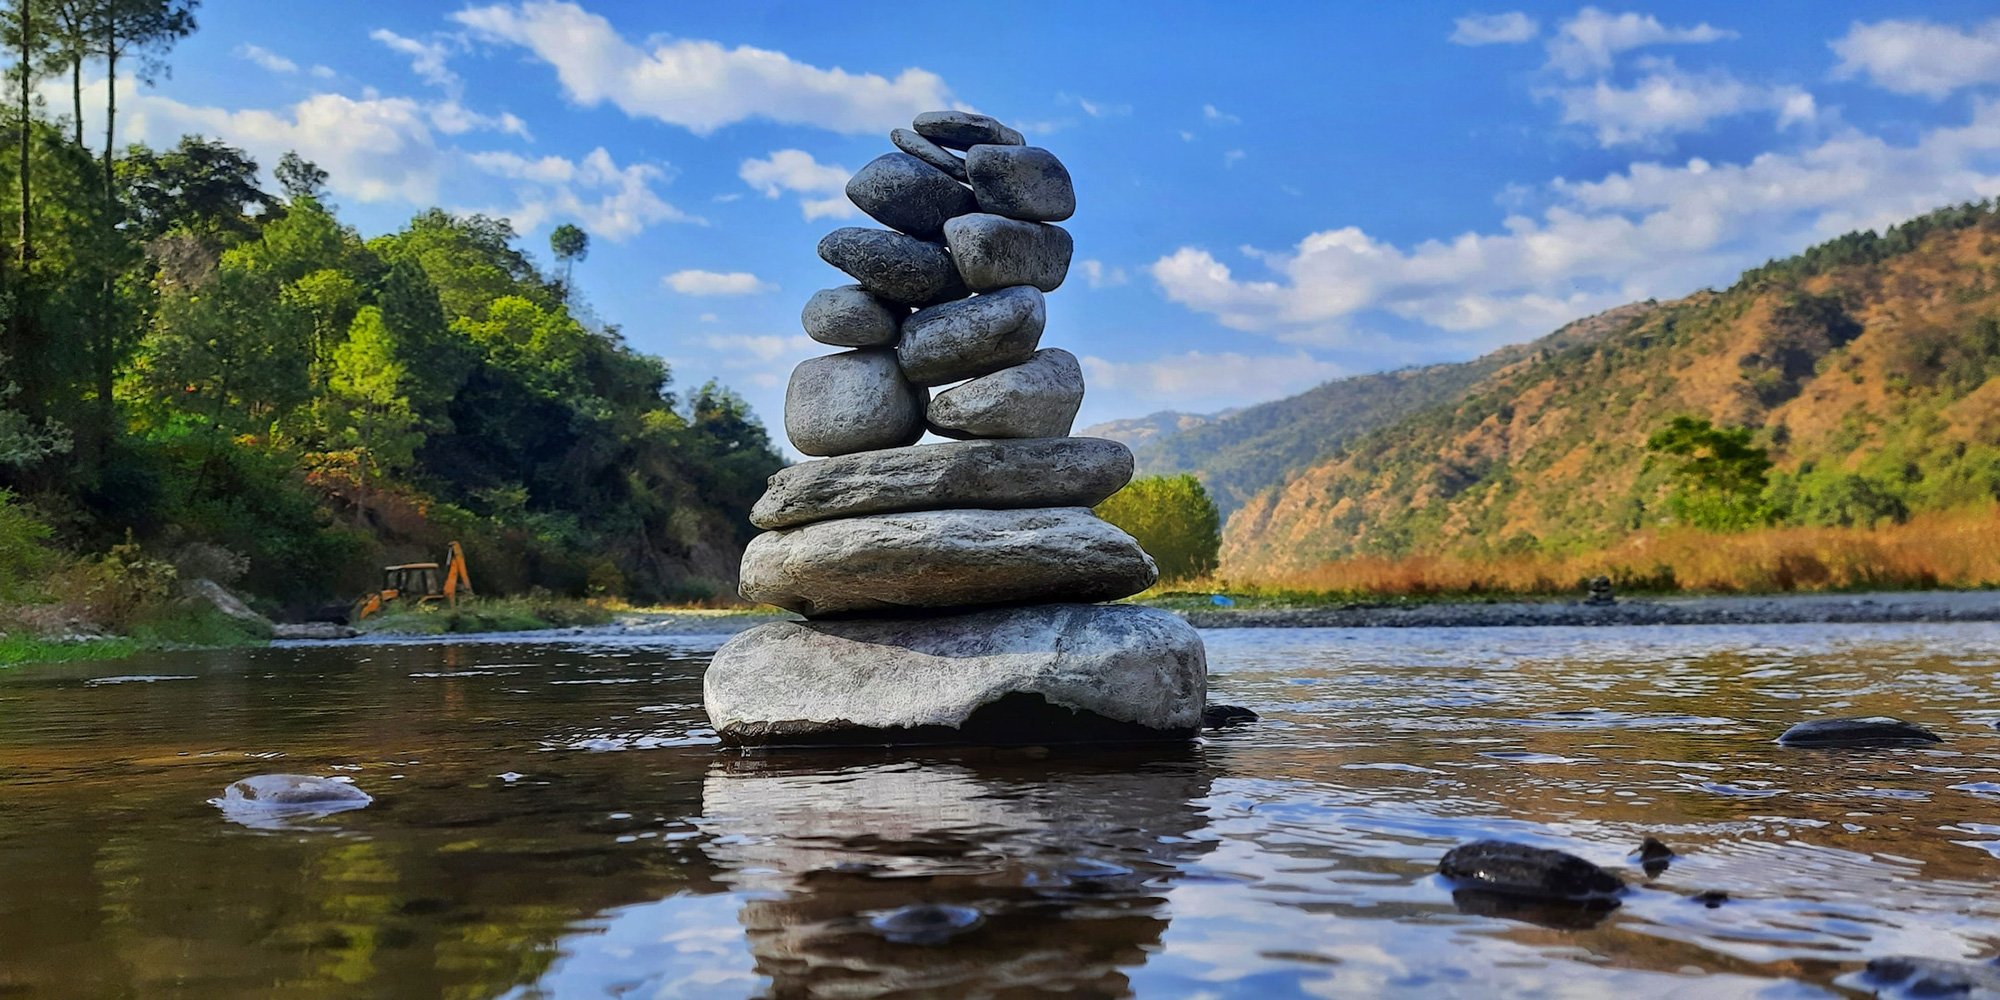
[553, 818]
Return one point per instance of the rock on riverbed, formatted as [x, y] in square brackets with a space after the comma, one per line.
[1857, 732]
[276, 801]
[1531, 872]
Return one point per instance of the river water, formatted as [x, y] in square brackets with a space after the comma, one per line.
[552, 817]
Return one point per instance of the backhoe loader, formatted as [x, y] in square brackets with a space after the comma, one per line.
[418, 583]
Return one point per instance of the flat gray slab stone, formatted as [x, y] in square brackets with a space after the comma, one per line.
[852, 401]
[994, 475]
[848, 316]
[1035, 674]
[963, 129]
[906, 194]
[970, 337]
[896, 266]
[993, 252]
[1020, 182]
[1037, 398]
[929, 152]
[944, 559]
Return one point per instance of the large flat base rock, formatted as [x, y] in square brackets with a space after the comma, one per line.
[1046, 673]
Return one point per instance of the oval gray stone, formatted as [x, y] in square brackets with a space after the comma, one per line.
[929, 152]
[848, 316]
[1020, 182]
[1857, 731]
[1532, 872]
[993, 252]
[970, 337]
[992, 475]
[963, 130]
[895, 266]
[1140, 670]
[852, 401]
[1035, 399]
[944, 559]
[905, 193]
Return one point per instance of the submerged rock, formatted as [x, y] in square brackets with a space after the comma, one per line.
[1040, 674]
[1531, 872]
[926, 923]
[1226, 716]
[276, 801]
[1916, 976]
[1654, 857]
[1857, 731]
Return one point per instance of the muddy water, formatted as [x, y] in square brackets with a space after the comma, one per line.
[552, 818]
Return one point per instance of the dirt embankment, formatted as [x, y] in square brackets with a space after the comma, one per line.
[1784, 609]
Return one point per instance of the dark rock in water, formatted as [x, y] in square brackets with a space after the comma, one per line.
[1531, 872]
[1654, 857]
[276, 801]
[1225, 716]
[926, 923]
[1557, 914]
[1711, 898]
[1915, 976]
[1857, 731]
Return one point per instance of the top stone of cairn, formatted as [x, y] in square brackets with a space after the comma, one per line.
[964, 130]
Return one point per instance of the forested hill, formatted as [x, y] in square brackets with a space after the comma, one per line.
[1241, 453]
[1864, 370]
[202, 365]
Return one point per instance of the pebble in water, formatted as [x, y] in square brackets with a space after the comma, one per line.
[1226, 716]
[1917, 976]
[276, 801]
[1531, 872]
[1654, 857]
[926, 923]
[1857, 731]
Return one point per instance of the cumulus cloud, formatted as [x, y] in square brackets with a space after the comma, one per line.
[705, 283]
[1668, 100]
[1919, 57]
[741, 350]
[1207, 380]
[1591, 41]
[612, 201]
[1653, 229]
[427, 59]
[267, 59]
[1510, 28]
[1097, 275]
[821, 187]
[701, 85]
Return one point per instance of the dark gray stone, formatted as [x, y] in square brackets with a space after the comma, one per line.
[852, 401]
[1074, 671]
[1020, 182]
[850, 317]
[895, 266]
[929, 152]
[971, 337]
[1534, 872]
[1037, 398]
[926, 923]
[1918, 976]
[994, 252]
[991, 475]
[1857, 731]
[963, 130]
[944, 559]
[905, 193]
[1226, 716]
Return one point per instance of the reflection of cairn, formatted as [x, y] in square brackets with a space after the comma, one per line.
[1600, 592]
[881, 528]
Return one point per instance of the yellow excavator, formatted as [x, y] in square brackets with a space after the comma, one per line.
[421, 583]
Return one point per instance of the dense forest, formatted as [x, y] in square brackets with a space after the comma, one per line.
[203, 365]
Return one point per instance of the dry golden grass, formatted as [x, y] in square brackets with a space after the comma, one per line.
[1959, 549]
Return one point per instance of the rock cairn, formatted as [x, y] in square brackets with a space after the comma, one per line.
[946, 587]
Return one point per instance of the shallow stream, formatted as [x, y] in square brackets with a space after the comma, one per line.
[553, 818]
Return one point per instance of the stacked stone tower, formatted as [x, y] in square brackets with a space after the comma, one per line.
[945, 586]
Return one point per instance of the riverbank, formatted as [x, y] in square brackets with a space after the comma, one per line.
[1773, 609]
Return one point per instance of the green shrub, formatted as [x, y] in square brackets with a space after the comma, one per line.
[1174, 521]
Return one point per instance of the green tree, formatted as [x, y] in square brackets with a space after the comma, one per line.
[300, 178]
[24, 441]
[1174, 520]
[570, 244]
[370, 406]
[1719, 478]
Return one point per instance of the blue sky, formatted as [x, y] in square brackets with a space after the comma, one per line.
[1270, 195]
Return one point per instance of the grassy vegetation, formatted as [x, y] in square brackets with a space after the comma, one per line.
[1956, 549]
[17, 649]
[490, 614]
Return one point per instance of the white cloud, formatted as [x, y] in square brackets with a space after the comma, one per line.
[742, 350]
[1653, 229]
[1097, 275]
[1510, 28]
[267, 59]
[1203, 380]
[1095, 109]
[323, 72]
[608, 200]
[427, 59]
[1590, 41]
[453, 118]
[1919, 57]
[702, 283]
[821, 187]
[1668, 100]
[1230, 158]
[1216, 116]
[1187, 136]
[701, 85]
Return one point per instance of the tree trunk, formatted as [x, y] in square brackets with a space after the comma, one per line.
[27, 80]
[110, 102]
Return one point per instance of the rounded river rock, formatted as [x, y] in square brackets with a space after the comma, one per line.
[1037, 398]
[895, 266]
[905, 193]
[944, 559]
[993, 252]
[852, 401]
[1531, 872]
[848, 316]
[991, 475]
[971, 337]
[1857, 732]
[929, 152]
[1020, 182]
[963, 130]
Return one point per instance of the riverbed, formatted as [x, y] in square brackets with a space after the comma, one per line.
[552, 817]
